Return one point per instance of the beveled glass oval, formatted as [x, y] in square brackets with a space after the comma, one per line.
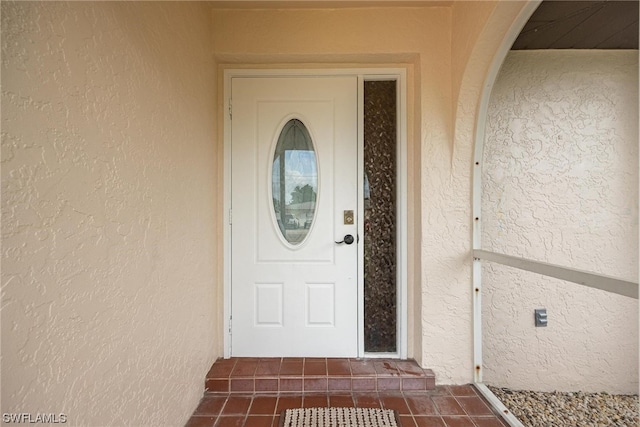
[294, 182]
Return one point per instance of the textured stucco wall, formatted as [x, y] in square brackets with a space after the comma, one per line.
[560, 185]
[447, 166]
[108, 210]
[468, 22]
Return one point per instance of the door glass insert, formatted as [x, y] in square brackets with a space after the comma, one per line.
[380, 141]
[294, 182]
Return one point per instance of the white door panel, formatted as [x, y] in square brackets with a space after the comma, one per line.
[293, 299]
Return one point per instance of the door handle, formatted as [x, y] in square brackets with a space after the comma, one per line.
[348, 239]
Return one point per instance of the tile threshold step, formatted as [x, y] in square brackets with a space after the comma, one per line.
[314, 375]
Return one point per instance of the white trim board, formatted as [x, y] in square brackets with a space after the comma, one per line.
[586, 278]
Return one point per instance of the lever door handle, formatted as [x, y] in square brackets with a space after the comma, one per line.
[348, 239]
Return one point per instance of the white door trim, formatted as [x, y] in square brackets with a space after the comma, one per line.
[363, 74]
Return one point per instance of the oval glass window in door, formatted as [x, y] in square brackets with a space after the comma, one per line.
[294, 182]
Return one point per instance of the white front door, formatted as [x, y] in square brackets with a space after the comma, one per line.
[294, 290]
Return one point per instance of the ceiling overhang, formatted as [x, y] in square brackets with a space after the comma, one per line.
[581, 25]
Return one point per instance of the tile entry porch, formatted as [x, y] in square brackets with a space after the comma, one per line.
[246, 392]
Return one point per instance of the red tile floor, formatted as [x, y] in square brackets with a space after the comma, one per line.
[256, 391]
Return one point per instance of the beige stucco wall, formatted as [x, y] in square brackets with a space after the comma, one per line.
[560, 185]
[448, 171]
[108, 210]
[468, 22]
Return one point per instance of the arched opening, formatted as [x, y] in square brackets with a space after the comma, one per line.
[561, 126]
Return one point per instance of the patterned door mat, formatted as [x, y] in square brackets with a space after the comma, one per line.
[339, 417]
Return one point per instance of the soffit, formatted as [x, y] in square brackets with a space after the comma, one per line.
[581, 25]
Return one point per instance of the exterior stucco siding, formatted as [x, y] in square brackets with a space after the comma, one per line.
[560, 185]
[108, 210]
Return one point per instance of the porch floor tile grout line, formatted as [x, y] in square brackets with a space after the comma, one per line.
[378, 398]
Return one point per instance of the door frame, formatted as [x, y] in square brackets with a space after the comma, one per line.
[363, 74]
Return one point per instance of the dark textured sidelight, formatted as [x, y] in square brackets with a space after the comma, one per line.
[380, 138]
